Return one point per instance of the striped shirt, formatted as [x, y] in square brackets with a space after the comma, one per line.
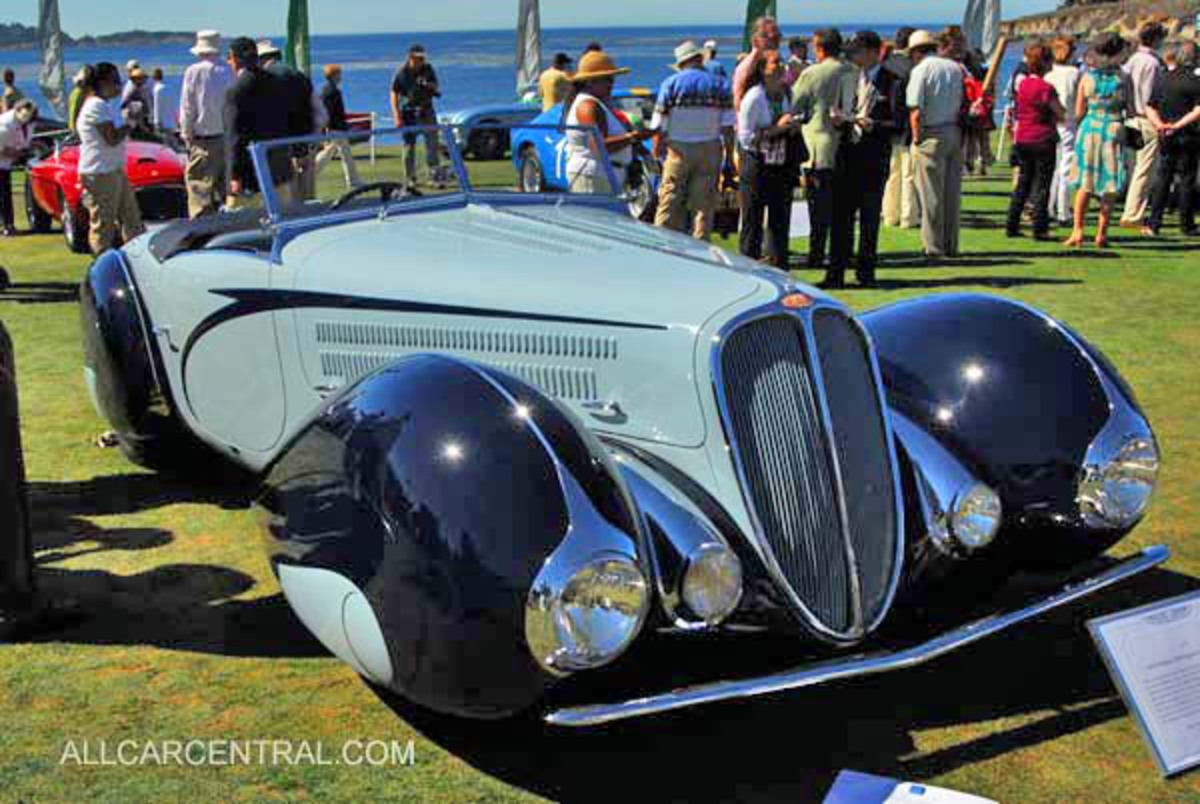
[694, 106]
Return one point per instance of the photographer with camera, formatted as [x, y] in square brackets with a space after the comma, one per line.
[413, 89]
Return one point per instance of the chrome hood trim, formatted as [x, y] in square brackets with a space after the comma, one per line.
[856, 666]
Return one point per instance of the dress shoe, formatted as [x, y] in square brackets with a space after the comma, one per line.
[832, 283]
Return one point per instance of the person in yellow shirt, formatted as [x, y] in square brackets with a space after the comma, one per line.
[555, 82]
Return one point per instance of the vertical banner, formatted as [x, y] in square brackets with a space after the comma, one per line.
[754, 10]
[529, 45]
[981, 24]
[297, 53]
[53, 76]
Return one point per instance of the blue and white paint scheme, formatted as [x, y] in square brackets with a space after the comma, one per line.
[506, 439]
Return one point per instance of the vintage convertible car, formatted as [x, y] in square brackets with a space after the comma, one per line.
[53, 191]
[508, 440]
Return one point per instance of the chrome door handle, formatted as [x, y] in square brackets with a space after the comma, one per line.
[605, 410]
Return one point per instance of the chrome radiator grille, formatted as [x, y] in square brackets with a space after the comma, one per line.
[811, 445]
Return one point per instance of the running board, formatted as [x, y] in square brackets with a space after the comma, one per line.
[855, 666]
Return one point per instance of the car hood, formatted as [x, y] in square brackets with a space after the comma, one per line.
[631, 298]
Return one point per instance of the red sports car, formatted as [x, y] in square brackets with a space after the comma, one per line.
[53, 190]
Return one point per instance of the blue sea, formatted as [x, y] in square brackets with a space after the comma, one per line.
[475, 67]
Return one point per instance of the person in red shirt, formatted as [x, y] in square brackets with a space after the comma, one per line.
[1035, 135]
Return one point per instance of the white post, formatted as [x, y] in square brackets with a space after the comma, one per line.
[372, 139]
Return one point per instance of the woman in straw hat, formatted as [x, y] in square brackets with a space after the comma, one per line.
[588, 105]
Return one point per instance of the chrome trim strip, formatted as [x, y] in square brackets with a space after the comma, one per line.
[864, 665]
[760, 542]
[857, 627]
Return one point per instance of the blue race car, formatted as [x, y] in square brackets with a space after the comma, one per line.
[484, 130]
[539, 154]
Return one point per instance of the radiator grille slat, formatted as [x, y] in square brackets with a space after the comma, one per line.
[786, 449]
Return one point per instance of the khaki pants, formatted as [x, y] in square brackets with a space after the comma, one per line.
[938, 163]
[1141, 179]
[206, 175]
[900, 205]
[340, 148]
[111, 206]
[689, 187]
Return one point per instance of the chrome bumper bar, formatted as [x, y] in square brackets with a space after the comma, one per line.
[855, 666]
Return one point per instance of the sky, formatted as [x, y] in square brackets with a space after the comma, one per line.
[81, 17]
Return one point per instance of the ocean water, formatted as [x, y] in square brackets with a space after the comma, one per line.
[475, 67]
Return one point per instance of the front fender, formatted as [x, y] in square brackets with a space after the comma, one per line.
[1019, 399]
[429, 496]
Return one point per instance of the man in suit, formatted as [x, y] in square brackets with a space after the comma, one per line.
[825, 99]
[864, 160]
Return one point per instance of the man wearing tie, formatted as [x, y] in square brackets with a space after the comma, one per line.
[864, 161]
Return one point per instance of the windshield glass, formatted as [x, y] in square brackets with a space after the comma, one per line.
[334, 173]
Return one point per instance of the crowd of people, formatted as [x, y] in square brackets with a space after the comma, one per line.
[870, 132]
[880, 133]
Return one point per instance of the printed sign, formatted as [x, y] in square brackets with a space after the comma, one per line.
[852, 787]
[1153, 655]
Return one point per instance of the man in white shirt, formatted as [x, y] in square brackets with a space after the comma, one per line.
[202, 125]
[935, 96]
[16, 128]
[107, 196]
[164, 108]
[692, 120]
[1143, 69]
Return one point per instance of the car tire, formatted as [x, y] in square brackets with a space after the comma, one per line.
[16, 549]
[532, 176]
[40, 221]
[489, 145]
[75, 228]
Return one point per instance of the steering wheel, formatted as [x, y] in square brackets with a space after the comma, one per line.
[387, 189]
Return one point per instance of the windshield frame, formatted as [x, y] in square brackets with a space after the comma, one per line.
[448, 134]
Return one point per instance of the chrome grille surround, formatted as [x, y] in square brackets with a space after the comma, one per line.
[860, 624]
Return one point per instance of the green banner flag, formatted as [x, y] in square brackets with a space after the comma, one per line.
[297, 53]
[754, 10]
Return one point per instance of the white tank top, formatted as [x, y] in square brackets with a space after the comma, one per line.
[582, 159]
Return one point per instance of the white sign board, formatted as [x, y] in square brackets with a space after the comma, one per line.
[852, 787]
[1153, 655]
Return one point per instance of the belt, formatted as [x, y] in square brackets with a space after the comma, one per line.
[196, 137]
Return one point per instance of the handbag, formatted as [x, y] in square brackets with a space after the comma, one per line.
[1131, 138]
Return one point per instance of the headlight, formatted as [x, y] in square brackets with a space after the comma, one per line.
[1117, 493]
[712, 584]
[976, 517]
[594, 617]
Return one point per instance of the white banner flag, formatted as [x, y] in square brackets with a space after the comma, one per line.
[529, 45]
[981, 24]
[53, 77]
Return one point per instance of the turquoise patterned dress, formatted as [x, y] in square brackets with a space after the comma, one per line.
[1099, 168]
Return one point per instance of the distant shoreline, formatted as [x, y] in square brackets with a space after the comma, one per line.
[15, 36]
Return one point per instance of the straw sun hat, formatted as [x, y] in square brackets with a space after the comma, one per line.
[597, 64]
[921, 40]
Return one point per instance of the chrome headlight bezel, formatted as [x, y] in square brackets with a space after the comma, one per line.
[1115, 490]
[712, 561]
[976, 517]
[573, 622]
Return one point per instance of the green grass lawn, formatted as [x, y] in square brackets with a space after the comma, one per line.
[187, 638]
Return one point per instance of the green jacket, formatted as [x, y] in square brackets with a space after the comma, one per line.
[832, 84]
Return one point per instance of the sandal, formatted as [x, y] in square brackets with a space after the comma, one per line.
[1074, 241]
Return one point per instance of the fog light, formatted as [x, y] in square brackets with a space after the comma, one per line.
[976, 517]
[712, 585]
[1117, 493]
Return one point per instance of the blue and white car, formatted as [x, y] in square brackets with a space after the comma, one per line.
[539, 153]
[484, 130]
[508, 443]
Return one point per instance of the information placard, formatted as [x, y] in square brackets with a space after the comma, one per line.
[1153, 655]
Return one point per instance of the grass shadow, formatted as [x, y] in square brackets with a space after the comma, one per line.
[790, 746]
